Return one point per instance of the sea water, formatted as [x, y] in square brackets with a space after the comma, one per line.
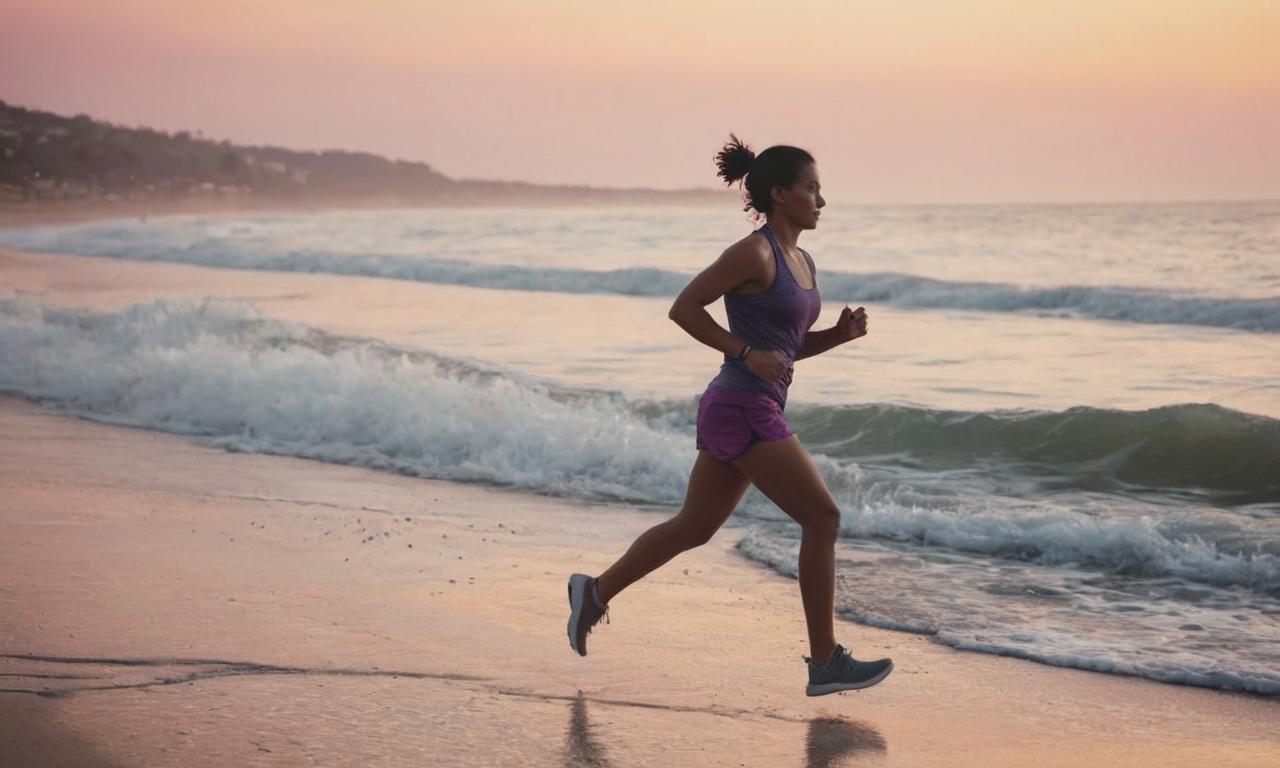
[1060, 439]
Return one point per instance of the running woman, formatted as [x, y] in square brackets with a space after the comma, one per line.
[771, 298]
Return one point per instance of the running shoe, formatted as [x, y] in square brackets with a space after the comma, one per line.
[842, 672]
[585, 611]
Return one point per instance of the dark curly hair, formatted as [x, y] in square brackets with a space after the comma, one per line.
[777, 166]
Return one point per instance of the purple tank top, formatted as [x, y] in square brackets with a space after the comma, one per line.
[776, 318]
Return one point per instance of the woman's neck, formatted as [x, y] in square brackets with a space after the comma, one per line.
[785, 231]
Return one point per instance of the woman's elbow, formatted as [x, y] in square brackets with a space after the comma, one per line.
[684, 309]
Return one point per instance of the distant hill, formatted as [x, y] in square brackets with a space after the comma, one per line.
[44, 156]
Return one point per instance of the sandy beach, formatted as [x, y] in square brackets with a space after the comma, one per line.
[171, 603]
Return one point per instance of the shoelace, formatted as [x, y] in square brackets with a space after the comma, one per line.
[604, 614]
[839, 651]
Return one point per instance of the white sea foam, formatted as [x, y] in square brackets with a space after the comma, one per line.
[1143, 540]
[1138, 545]
[1184, 667]
[216, 370]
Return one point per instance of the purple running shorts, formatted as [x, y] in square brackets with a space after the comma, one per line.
[731, 421]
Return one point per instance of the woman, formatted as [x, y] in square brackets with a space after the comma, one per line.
[771, 299]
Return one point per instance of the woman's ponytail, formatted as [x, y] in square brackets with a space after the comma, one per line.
[778, 165]
[734, 160]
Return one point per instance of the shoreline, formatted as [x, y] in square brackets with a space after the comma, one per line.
[155, 580]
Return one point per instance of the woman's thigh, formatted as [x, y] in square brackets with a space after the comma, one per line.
[715, 488]
[785, 473]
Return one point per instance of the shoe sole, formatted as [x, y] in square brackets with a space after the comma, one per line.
[825, 688]
[575, 610]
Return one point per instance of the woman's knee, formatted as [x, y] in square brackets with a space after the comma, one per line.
[823, 521]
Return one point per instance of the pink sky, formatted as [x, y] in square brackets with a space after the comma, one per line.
[909, 101]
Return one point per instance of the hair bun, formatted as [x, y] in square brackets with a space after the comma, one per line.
[734, 160]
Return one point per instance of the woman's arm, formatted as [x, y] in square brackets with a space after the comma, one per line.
[741, 263]
[851, 325]
[817, 342]
[746, 261]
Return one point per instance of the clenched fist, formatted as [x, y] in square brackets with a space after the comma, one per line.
[852, 324]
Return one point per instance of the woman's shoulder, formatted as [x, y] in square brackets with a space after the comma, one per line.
[750, 260]
[754, 249]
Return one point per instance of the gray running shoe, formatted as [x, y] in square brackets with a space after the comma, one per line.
[842, 672]
[585, 611]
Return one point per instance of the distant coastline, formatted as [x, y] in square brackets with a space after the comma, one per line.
[67, 168]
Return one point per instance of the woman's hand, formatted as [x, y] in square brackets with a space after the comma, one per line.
[852, 324]
[768, 364]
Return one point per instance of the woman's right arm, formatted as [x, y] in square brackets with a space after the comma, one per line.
[743, 262]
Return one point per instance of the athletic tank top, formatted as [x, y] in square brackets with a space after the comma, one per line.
[776, 318]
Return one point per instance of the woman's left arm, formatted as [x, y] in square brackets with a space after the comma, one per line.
[851, 325]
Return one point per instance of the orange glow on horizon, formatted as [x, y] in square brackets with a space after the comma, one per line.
[928, 99]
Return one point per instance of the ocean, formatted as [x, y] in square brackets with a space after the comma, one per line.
[1060, 440]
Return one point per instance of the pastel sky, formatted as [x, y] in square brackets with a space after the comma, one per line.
[899, 100]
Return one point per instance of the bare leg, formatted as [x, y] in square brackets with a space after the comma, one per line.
[715, 488]
[784, 472]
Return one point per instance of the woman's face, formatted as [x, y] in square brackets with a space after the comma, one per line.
[803, 201]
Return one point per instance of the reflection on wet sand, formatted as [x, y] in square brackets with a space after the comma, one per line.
[580, 747]
[833, 741]
[829, 741]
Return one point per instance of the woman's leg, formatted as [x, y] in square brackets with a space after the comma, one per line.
[784, 472]
[715, 488]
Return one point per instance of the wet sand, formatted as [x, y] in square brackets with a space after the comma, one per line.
[168, 603]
